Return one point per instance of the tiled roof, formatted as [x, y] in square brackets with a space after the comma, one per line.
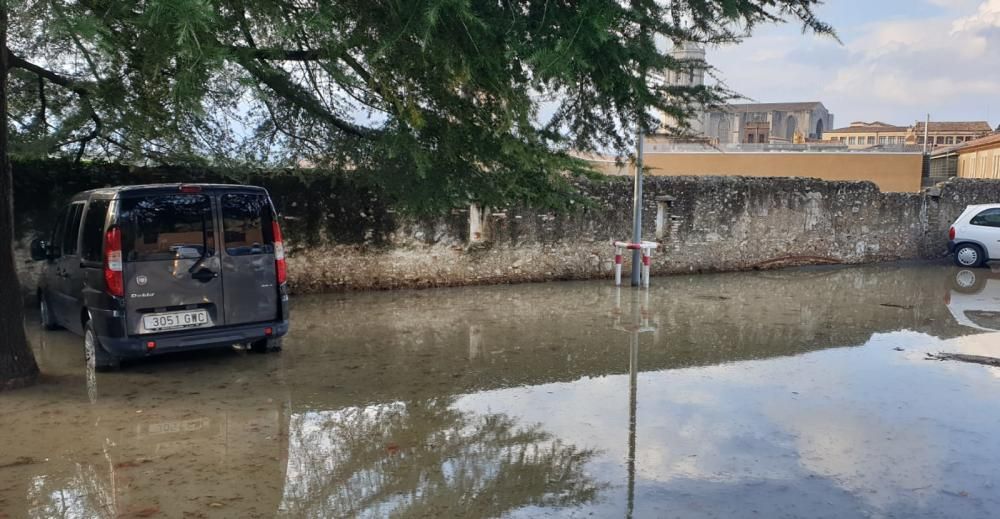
[989, 140]
[774, 107]
[955, 126]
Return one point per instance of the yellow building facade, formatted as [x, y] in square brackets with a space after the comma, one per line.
[980, 158]
[898, 172]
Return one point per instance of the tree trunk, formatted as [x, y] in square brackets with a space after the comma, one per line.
[17, 363]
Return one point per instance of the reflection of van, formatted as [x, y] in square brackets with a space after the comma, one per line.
[974, 299]
[143, 270]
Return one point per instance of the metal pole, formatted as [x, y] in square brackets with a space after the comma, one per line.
[637, 208]
[926, 125]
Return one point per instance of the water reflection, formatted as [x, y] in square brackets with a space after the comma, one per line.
[769, 394]
[425, 458]
[974, 299]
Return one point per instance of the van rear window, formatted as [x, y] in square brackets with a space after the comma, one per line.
[246, 224]
[167, 227]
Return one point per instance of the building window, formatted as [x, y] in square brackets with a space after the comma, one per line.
[851, 141]
[883, 139]
[949, 140]
[920, 140]
[940, 140]
[871, 139]
[892, 140]
[750, 138]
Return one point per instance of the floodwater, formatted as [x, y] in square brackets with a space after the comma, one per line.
[798, 393]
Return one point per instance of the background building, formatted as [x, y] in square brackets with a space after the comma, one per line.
[747, 123]
[978, 158]
[939, 133]
[765, 123]
[863, 135]
[944, 133]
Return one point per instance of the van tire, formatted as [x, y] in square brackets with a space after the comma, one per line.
[95, 354]
[45, 313]
[272, 345]
[969, 255]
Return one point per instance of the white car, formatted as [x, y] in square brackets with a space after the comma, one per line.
[975, 237]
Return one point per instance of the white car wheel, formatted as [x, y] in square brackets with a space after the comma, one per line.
[968, 256]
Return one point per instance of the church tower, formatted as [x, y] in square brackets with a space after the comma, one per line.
[687, 52]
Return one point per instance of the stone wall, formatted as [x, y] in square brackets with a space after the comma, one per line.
[713, 224]
[341, 237]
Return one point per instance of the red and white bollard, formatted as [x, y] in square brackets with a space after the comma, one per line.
[646, 248]
[647, 258]
[618, 265]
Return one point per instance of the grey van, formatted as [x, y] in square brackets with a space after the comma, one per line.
[150, 269]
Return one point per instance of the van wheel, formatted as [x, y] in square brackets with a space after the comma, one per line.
[97, 357]
[969, 255]
[266, 345]
[45, 314]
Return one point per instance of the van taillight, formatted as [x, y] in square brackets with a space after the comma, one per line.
[279, 254]
[951, 233]
[113, 279]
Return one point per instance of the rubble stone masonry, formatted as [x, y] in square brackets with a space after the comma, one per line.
[341, 238]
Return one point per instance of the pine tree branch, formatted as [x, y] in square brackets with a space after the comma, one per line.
[82, 89]
[279, 82]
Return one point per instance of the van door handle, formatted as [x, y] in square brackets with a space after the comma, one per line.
[204, 275]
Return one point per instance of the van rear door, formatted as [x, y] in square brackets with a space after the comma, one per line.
[171, 262]
[248, 269]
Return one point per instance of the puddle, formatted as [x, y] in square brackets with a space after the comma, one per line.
[800, 393]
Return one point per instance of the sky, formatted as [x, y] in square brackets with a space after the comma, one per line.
[898, 61]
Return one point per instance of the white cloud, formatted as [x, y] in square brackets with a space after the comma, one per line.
[893, 70]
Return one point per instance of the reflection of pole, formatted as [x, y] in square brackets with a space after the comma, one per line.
[633, 368]
[639, 323]
[633, 386]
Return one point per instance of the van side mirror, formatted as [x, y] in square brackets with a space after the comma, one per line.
[39, 249]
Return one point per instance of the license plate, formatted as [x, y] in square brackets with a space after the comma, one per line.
[174, 320]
